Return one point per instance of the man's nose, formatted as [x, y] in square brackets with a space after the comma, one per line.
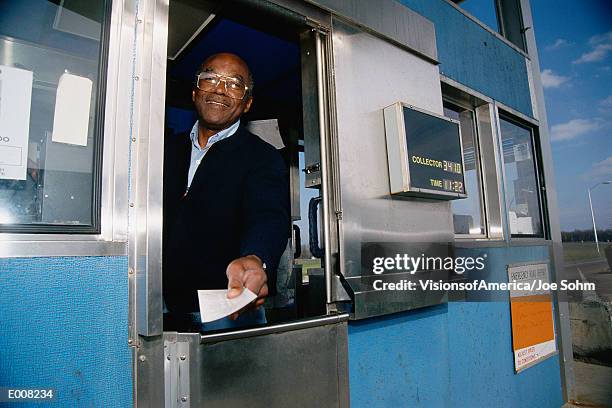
[220, 88]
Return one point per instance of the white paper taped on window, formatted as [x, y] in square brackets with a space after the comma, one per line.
[72, 104]
[15, 101]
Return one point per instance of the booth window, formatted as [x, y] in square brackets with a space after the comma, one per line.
[522, 187]
[483, 10]
[468, 217]
[502, 16]
[51, 91]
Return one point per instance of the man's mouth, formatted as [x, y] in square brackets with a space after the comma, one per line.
[218, 103]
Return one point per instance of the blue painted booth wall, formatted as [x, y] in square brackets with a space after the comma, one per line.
[476, 58]
[64, 326]
[453, 355]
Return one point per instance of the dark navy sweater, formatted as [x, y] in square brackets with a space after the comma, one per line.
[237, 205]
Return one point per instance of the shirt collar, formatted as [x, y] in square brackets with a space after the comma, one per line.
[222, 134]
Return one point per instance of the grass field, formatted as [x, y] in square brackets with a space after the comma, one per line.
[578, 251]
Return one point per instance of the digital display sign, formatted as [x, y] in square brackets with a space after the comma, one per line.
[425, 153]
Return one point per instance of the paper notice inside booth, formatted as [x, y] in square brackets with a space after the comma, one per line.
[72, 105]
[15, 101]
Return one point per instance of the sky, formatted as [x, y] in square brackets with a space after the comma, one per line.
[574, 41]
[575, 50]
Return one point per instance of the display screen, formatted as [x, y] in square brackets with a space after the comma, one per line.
[434, 153]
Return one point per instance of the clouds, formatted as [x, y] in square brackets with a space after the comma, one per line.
[598, 53]
[560, 43]
[606, 103]
[601, 170]
[602, 38]
[574, 128]
[605, 106]
[600, 45]
[552, 80]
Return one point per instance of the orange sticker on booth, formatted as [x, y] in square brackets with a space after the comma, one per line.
[532, 320]
[531, 311]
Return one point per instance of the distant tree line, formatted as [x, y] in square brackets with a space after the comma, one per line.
[586, 235]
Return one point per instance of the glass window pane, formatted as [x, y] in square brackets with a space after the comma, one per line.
[467, 212]
[522, 194]
[306, 194]
[49, 89]
[483, 10]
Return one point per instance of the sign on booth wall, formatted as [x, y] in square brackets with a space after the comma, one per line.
[531, 310]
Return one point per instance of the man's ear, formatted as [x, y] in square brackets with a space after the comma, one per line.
[247, 105]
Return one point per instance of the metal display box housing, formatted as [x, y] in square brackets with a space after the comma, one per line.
[443, 148]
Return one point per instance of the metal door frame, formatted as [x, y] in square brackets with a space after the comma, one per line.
[147, 53]
[144, 47]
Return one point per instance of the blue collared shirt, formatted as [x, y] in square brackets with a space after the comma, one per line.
[198, 153]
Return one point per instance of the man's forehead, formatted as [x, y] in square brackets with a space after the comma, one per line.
[226, 64]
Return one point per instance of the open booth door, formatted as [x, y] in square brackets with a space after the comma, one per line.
[278, 364]
[372, 219]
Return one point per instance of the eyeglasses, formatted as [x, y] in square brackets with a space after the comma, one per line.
[234, 87]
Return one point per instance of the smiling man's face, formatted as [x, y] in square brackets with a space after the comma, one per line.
[216, 109]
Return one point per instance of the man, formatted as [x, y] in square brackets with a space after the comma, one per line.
[226, 199]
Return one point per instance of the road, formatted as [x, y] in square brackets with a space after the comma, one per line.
[588, 319]
[592, 270]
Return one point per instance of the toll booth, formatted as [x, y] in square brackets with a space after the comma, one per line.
[90, 90]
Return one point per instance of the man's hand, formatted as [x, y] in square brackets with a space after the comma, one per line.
[247, 272]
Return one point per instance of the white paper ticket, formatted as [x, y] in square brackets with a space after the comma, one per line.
[215, 305]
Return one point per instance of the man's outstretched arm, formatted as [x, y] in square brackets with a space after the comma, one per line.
[265, 230]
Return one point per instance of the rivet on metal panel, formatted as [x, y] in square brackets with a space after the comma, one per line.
[139, 21]
[134, 139]
[142, 358]
[130, 270]
[183, 399]
[130, 341]
[168, 357]
[131, 204]
[136, 78]
[183, 357]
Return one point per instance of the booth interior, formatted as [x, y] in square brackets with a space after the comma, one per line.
[272, 46]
